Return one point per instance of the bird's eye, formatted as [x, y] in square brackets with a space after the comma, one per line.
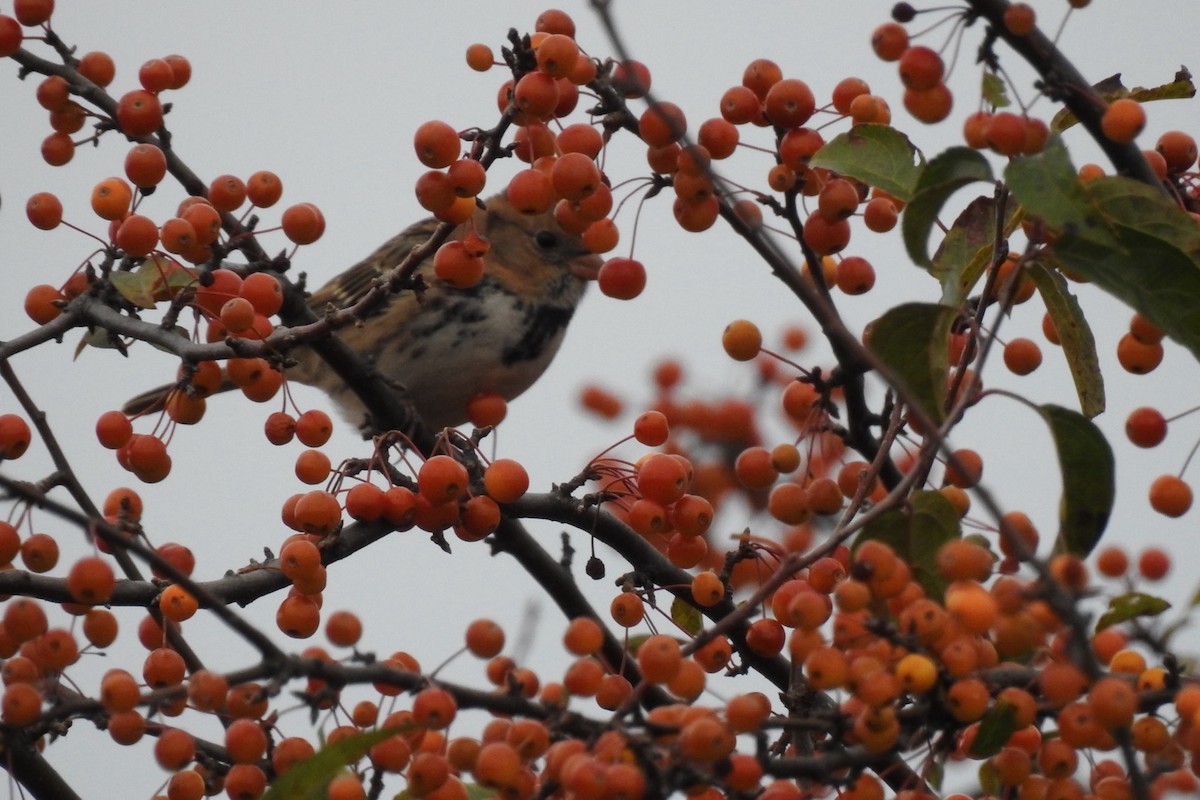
[546, 239]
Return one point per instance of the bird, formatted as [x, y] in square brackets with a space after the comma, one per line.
[446, 345]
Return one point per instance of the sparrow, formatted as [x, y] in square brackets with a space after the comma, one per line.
[446, 345]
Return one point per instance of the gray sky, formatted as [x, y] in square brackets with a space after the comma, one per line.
[328, 98]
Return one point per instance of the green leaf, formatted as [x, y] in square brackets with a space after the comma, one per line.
[686, 616]
[101, 339]
[989, 779]
[1074, 336]
[154, 275]
[1088, 477]
[995, 729]
[134, 287]
[307, 779]
[942, 177]
[916, 534]
[1147, 272]
[477, 792]
[1127, 238]
[1131, 606]
[912, 340]
[935, 772]
[1111, 88]
[877, 155]
[1047, 186]
[968, 247]
[993, 91]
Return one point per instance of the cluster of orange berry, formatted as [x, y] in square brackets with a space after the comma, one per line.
[440, 498]
[765, 98]
[562, 177]
[234, 307]
[653, 496]
[146, 250]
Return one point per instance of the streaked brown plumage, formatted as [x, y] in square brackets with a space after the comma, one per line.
[453, 344]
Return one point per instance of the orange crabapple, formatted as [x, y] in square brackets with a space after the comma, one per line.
[39, 552]
[1019, 19]
[97, 67]
[1154, 564]
[1170, 496]
[855, 275]
[437, 144]
[557, 55]
[245, 782]
[583, 636]
[44, 211]
[137, 235]
[740, 105]
[663, 478]
[118, 691]
[1178, 149]
[303, 223]
[264, 188]
[697, 216]
[53, 93]
[442, 479]
[1022, 356]
[582, 678]
[648, 517]
[631, 78]
[765, 637]
[181, 70]
[659, 657]
[661, 124]
[91, 580]
[10, 542]
[1123, 120]
[921, 68]
[760, 75]
[298, 616]
[622, 278]
[691, 515]
[742, 340]
[930, 105]
[1146, 427]
[434, 708]
[965, 470]
[536, 96]
[139, 113]
[145, 165]
[627, 609]
[1144, 331]
[15, 436]
[961, 559]
[705, 740]
[1112, 562]
[156, 75]
[838, 199]
[789, 103]
[11, 36]
[889, 41]
[707, 588]
[1005, 133]
[825, 237]
[484, 638]
[111, 198]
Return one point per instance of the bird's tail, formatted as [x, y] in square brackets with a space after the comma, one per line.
[154, 400]
[150, 401]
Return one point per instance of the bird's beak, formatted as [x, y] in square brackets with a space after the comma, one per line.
[586, 267]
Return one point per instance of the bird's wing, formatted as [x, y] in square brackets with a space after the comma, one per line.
[353, 284]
